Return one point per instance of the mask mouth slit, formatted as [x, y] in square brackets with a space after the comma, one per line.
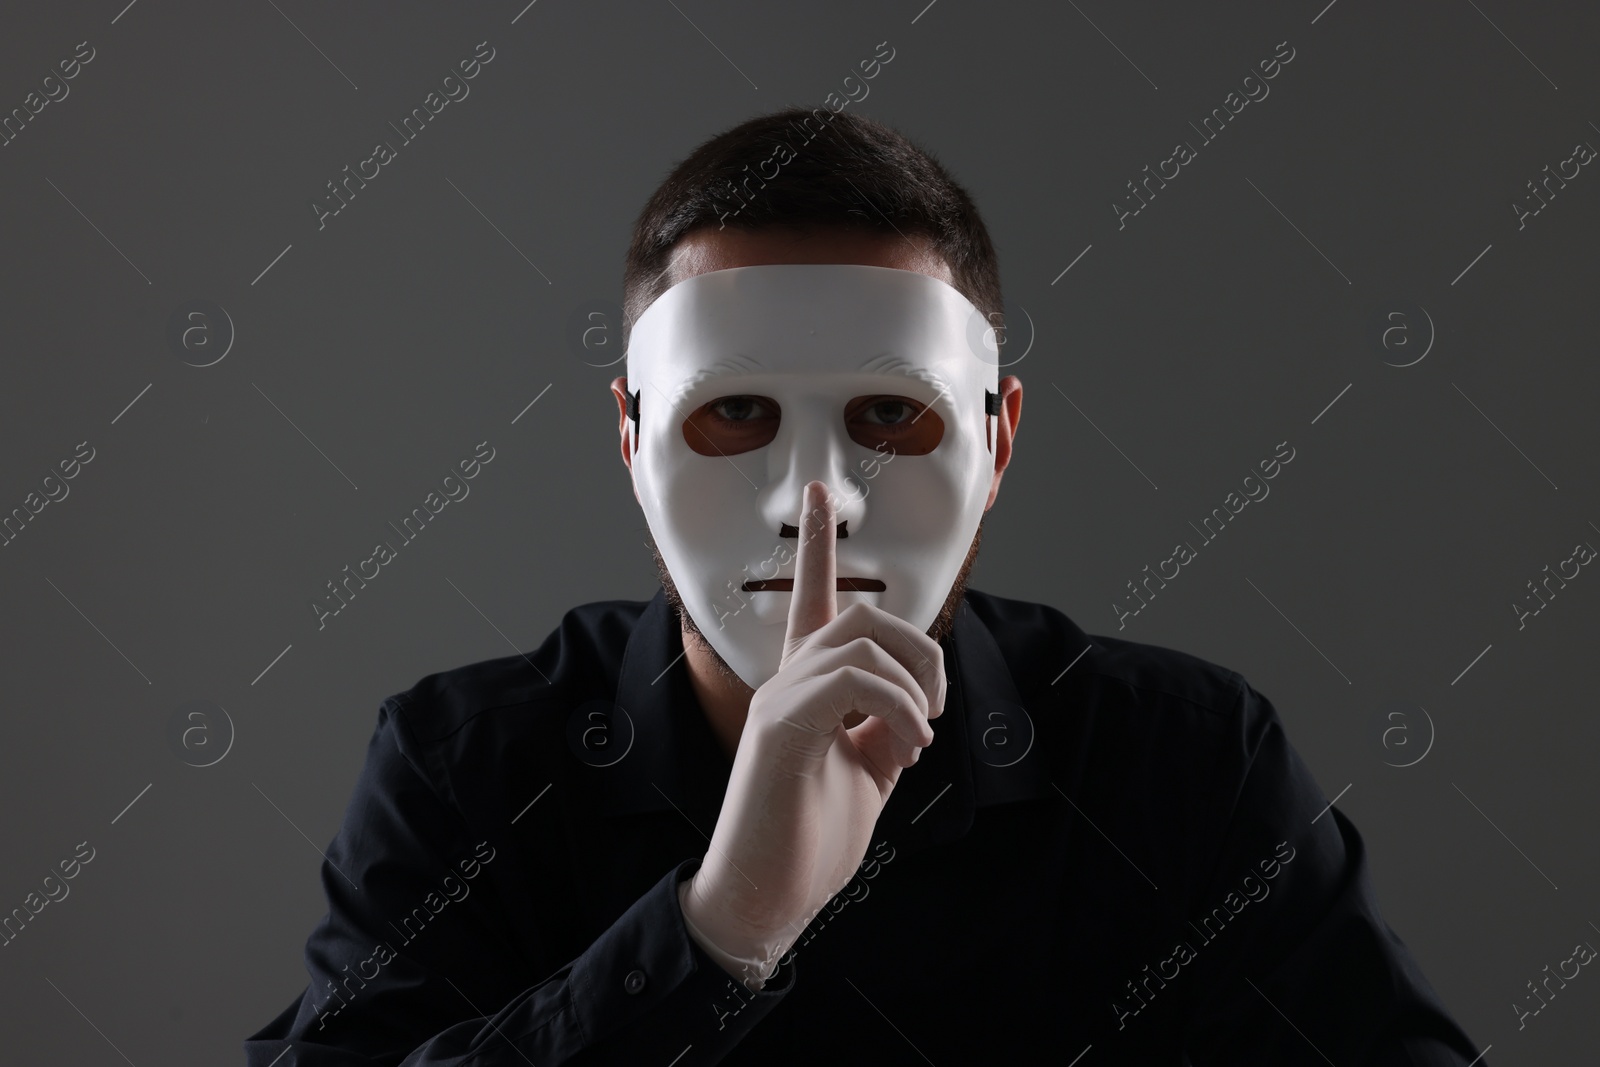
[841, 585]
[785, 530]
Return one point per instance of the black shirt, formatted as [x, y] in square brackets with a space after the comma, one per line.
[1110, 851]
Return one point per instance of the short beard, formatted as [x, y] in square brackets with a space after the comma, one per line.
[943, 623]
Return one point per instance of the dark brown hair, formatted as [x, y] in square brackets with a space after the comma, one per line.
[833, 170]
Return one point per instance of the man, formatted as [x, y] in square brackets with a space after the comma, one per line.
[816, 798]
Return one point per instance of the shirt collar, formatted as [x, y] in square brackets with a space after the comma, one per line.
[983, 752]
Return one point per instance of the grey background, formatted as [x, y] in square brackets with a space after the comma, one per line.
[1244, 300]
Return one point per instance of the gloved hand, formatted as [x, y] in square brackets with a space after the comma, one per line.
[805, 791]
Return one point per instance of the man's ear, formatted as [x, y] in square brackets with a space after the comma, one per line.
[1008, 420]
[619, 389]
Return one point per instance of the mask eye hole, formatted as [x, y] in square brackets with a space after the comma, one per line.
[896, 424]
[729, 425]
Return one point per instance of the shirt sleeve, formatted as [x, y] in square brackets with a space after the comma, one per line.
[1296, 963]
[415, 962]
[756, 975]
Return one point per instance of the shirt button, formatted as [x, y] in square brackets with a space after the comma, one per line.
[634, 982]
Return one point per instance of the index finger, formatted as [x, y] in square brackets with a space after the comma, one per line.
[813, 602]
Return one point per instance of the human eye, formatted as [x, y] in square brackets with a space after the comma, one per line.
[739, 408]
[894, 423]
[891, 412]
[729, 425]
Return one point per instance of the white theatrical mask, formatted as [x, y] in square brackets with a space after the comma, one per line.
[817, 341]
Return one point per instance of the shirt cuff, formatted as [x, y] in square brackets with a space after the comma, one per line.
[754, 973]
[647, 988]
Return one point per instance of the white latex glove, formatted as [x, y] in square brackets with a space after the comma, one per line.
[805, 792]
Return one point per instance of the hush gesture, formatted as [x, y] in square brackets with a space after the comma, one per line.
[806, 791]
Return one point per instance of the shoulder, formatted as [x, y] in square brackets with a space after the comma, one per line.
[1155, 744]
[577, 660]
[1051, 658]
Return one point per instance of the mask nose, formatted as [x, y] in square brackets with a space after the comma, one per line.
[811, 445]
